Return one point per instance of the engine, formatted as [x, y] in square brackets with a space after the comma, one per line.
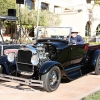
[45, 52]
[41, 53]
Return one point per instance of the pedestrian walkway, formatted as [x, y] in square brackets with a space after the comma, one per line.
[74, 90]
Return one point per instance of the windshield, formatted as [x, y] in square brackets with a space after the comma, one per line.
[52, 32]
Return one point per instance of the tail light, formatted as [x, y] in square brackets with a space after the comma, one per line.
[86, 46]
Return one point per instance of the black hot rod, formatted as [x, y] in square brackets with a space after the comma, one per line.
[49, 60]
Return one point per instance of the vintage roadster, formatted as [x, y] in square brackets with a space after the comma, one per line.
[48, 61]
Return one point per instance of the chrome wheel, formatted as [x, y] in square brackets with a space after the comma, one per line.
[97, 68]
[99, 63]
[51, 79]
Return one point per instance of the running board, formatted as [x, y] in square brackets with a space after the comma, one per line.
[73, 72]
[28, 82]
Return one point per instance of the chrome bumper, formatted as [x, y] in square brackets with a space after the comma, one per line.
[28, 82]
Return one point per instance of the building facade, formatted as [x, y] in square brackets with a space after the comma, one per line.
[82, 14]
[85, 16]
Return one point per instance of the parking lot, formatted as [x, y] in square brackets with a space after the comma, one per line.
[74, 90]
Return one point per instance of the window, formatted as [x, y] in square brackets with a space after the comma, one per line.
[29, 3]
[98, 30]
[88, 1]
[44, 6]
[87, 29]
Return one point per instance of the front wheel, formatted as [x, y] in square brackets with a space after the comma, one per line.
[2, 70]
[51, 79]
[97, 67]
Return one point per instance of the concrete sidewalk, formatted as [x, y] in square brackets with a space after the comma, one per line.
[74, 90]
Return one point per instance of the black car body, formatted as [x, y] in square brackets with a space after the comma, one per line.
[49, 60]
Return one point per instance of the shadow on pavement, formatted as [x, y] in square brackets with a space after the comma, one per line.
[65, 81]
[22, 87]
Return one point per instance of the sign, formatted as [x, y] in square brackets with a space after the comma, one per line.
[7, 51]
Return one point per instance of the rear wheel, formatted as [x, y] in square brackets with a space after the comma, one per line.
[51, 79]
[97, 67]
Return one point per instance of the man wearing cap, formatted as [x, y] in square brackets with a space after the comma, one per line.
[75, 38]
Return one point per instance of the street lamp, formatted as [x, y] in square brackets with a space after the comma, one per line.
[37, 21]
[20, 20]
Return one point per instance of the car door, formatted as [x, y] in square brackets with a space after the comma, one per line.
[76, 53]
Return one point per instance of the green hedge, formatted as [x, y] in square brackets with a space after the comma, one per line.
[94, 43]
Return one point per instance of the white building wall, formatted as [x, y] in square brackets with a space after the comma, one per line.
[95, 19]
[51, 7]
[75, 18]
[60, 3]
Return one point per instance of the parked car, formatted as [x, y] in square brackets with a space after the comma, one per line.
[47, 61]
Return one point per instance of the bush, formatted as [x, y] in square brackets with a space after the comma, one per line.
[94, 43]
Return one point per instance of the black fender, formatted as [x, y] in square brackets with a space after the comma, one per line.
[47, 66]
[4, 61]
[95, 56]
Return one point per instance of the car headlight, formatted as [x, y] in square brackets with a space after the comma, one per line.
[11, 57]
[34, 60]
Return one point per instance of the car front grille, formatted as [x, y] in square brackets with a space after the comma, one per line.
[24, 60]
